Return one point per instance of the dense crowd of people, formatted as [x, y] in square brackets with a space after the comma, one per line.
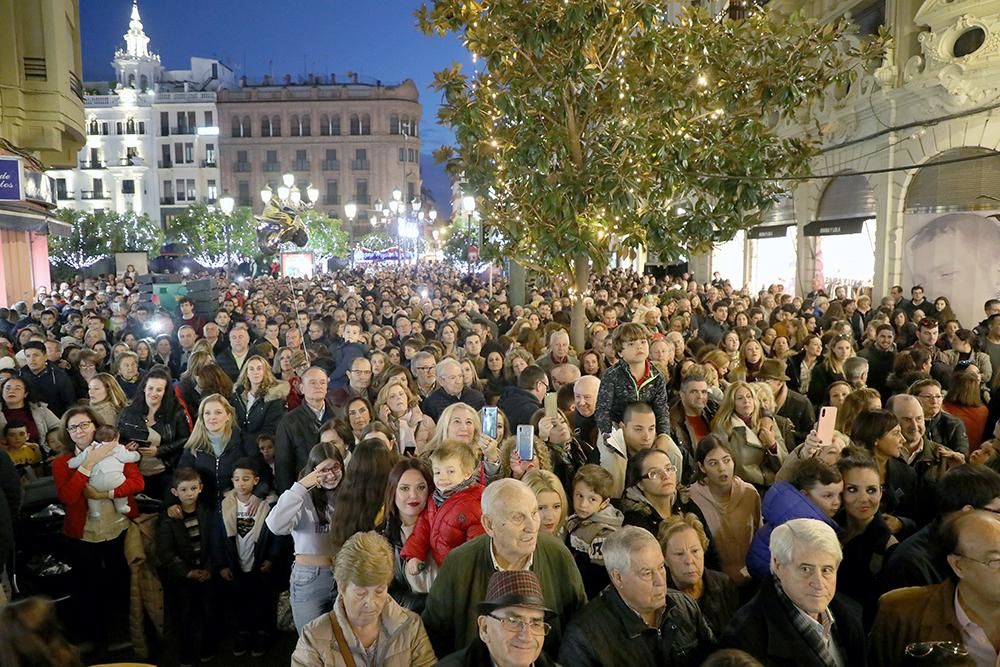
[405, 469]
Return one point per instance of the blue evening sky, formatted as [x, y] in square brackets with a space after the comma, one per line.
[376, 38]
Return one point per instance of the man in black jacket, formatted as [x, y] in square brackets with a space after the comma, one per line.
[942, 427]
[10, 503]
[232, 359]
[49, 383]
[637, 620]
[298, 430]
[450, 389]
[522, 401]
[881, 356]
[796, 618]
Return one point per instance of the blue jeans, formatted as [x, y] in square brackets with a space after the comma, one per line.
[310, 593]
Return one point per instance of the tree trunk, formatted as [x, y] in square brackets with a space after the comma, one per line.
[516, 292]
[578, 323]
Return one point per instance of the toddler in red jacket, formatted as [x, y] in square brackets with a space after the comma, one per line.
[453, 515]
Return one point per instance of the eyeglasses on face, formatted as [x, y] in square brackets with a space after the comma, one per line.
[79, 426]
[992, 563]
[515, 625]
[660, 474]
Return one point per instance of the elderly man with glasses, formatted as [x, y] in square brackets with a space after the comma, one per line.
[942, 427]
[962, 609]
[513, 624]
[450, 389]
[637, 620]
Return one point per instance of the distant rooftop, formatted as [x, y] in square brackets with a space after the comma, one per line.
[350, 78]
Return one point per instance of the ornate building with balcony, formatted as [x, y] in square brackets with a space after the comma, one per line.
[152, 135]
[910, 160]
[356, 141]
[41, 126]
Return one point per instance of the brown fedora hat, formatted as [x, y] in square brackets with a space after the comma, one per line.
[772, 369]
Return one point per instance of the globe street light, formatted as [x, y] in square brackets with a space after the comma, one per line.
[226, 205]
[350, 212]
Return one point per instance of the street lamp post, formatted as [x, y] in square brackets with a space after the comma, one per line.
[351, 211]
[226, 205]
[288, 201]
[408, 218]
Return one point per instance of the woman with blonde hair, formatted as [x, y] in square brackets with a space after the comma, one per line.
[258, 399]
[517, 360]
[751, 356]
[399, 408]
[107, 399]
[553, 507]
[214, 447]
[756, 443]
[461, 422]
[856, 402]
[839, 350]
[511, 464]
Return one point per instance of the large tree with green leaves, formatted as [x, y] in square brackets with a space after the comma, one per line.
[98, 235]
[612, 121]
[212, 237]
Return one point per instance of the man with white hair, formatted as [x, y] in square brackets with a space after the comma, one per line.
[450, 389]
[564, 374]
[559, 352]
[512, 542]
[585, 400]
[637, 620]
[796, 618]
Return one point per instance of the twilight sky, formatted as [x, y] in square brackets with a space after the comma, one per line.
[376, 38]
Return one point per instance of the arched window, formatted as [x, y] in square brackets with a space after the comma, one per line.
[335, 125]
[306, 121]
[355, 124]
[265, 126]
[275, 126]
[294, 126]
[366, 124]
[131, 80]
[92, 127]
[237, 127]
[130, 126]
[144, 82]
[324, 126]
[394, 123]
[247, 130]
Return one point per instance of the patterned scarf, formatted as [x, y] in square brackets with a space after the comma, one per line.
[440, 496]
[812, 635]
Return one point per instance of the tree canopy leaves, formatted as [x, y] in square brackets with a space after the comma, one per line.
[98, 235]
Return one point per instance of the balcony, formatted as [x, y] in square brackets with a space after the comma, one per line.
[272, 167]
[93, 165]
[165, 164]
[209, 163]
[62, 195]
[241, 167]
[359, 165]
[94, 194]
[300, 165]
[331, 165]
[183, 129]
[166, 201]
[332, 200]
[362, 199]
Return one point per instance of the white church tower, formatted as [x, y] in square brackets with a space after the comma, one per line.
[135, 65]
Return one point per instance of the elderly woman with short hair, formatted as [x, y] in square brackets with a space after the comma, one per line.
[366, 626]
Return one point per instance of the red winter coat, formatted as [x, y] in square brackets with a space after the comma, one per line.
[71, 483]
[441, 529]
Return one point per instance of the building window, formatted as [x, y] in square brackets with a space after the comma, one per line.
[92, 127]
[301, 161]
[411, 191]
[209, 155]
[98, 188]
[165, 124]
[335, 126]
[118, 128]
[361, 191]
[61, 188]
[394, 124]
[179, 153]
[306, 121]
[128, 187]
[247, 127]
[192, 189]
[265, 126]
[105, 128]
[332, 193]
[355, 124]
[402, 155]
[130, 126]
[294, 126]
[212, 190]
[237, 127]
[243, 193]
[242, 163]
[142, 127]
[189, 153]
[324, 126]
[181, 192]
[275, 126]
[208, 119]
[413, 154]
[168, 192]
[271, 161]
[366, 124]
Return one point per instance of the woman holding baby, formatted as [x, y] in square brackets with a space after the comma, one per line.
[96, 538]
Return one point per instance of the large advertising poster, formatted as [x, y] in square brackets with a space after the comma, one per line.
[954, 255]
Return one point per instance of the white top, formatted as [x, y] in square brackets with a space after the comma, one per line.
[296, 515]
[245, 519]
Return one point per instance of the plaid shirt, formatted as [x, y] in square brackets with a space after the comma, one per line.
[818, 635]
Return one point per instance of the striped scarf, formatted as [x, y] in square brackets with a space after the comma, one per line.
[440, 496]
[815, 637]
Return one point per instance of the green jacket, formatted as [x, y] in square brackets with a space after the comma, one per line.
[451, 611]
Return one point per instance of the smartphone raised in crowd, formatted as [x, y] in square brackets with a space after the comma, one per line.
[827, 420]
[525, 442]
[551, 406]
[489, 425]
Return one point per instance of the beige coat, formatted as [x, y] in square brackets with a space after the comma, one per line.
[402, 641]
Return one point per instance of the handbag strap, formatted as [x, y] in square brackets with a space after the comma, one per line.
[338, 634]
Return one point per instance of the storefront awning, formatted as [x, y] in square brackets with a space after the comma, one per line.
[769, 232]
[837, 227]
[21, 218]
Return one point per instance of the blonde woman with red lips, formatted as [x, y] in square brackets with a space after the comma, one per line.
[866, 538]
